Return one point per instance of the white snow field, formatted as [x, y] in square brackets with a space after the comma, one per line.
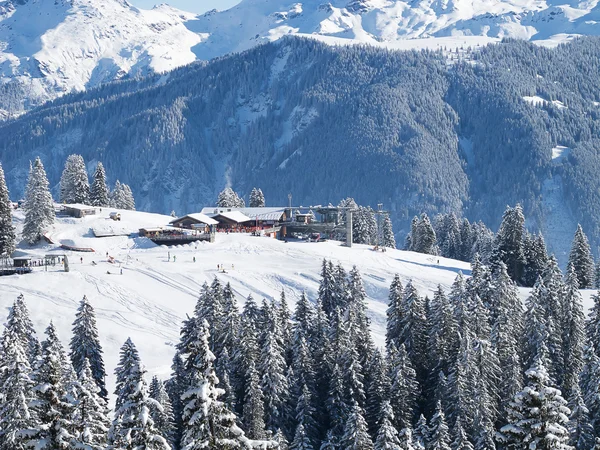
[152, 297]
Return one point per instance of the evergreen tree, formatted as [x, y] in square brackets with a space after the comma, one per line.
[39, 206]
[406, 439]
[301, 440]
[389, 239]
[421, 433]
[209, 423]
[413, 326]
[133, 426]
[461, 440]
[378, 390]
[508, 246]
[16, 393]
[356, 436]
[538, 415]
[394, 313]
[254, 411]
[229, 199]
[128, 200]
[581, 259]
[163, 415]
[536, 257]
[90, 415]
[257, 198]
[592, 326]
[573, 333]
[387, 436]
[99, 194]
[590, 386]
[580, 427]
[404, 391]
[7, 229]
[53, 429]
[19, 324]
[125, 371]
[74, 183]
[116, 196]
[85, 345]
[439, 438]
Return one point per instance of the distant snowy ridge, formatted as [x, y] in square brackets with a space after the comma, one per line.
[394, 23]
[52, 47]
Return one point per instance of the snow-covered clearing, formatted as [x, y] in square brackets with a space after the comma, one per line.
[152, 297]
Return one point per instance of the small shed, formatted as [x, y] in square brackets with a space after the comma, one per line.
[79, 211]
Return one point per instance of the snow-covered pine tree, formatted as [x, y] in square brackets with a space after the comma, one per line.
[254, 410]
[461, 440]
[128, 199]
[406, 439]
[301, 440]
[404, 391]
[461, 404]
[281, 440]
[441, 335]
[378, 389]
[176, 386]
[536, 257]
[125, 370]
[506, 335]
[19, 323]
[538, 415]
[590, 385]
[387, 436]
[413, 326]
[592, 326]
[39, 206]
[580, 427]
[508, 245]
[356, 435]
[53, 428]
[85, 345]
[573, 337]
[116, 196]
[389, 240]
[16, 392]
[99, 193]
[394, 313]
[257, 198]
[411, 242]
[439, 436]
[229, 199]
[74, 183]
[427, 240]
[272, 368]
[163, 416]
[7, 229]
[133, 426]
[421, 434]
[580, 258]
[209, 423]
[90, 414]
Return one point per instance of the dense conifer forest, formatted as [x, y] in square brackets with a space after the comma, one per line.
[412, 130]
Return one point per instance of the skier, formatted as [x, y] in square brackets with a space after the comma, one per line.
[174, 258]
[168, 256]
[194, 259]
[121, 271]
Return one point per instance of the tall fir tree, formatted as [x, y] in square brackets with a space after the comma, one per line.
[394, 313]
[580, 427]
[356, 435]
[257, 198]
[99, 193]
[581, 259]
[7, 229]
[85, 345]
[538, 415]
[387, 435]
[163, 415]
[508, 246]
[39, 206]
[573, 338]
[16, 392]
[90, 414]
[254, 411]
[439, 436]
[74, 183]
[54, 428]
[389, 240]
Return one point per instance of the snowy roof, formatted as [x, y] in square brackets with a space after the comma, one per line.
[264, 213]
[79, 206]
[199, 217]
[234, 216]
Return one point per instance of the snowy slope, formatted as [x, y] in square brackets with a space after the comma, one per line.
[51, 47]
[151, 298]
[392, 22]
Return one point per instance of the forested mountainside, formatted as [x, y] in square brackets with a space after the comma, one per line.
[403, 128]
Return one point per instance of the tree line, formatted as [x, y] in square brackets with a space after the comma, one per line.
[471, 368]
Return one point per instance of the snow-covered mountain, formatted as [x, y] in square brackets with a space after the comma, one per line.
[51, 47]
[394, 23]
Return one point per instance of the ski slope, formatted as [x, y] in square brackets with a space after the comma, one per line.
[152, 297]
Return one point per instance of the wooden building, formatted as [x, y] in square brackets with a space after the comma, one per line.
[200, 222]
[79, 211]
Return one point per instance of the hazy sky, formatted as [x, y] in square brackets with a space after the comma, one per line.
[199, 6]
